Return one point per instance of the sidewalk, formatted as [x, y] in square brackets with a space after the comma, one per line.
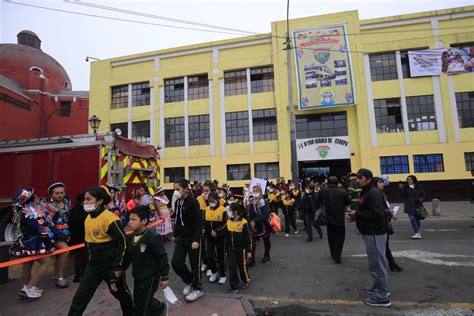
[448, 210]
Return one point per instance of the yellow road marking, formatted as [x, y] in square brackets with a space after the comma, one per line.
[289, 300]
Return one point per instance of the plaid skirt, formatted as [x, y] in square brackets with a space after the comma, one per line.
[164, 228]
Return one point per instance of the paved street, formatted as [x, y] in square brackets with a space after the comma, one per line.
[302, 280]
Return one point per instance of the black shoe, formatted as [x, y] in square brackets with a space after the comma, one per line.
[309, 239]
[395, 267]
[265, 259]
[321, 236]
[76, 279]
[338, 261]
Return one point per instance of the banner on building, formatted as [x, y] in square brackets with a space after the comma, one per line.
[323, 148]
[434, 62]
[323, 67]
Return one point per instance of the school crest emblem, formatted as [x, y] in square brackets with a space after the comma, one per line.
[323, 151]
[142, 248]
[322, 57]
[95, 232]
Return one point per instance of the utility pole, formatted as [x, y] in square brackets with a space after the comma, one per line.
[294, 159]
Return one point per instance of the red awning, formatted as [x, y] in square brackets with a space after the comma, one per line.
[133, 148]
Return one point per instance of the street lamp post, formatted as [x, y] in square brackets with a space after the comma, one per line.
[94, 123]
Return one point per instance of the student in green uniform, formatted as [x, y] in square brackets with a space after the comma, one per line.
[107, 244]
[150, 264]
[215, 219]
[239, 245]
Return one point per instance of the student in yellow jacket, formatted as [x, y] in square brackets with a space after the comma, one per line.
[203, 203]
[215, 232]
[107, 245]
[289, 212]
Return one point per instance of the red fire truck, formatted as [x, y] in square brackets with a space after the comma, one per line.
[79, 162]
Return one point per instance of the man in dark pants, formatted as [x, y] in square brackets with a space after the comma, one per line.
[308, 207]
[335, 199]
[187, 235]
[372, 225]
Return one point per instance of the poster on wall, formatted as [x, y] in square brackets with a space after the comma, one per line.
[323, 67]
[434, 62]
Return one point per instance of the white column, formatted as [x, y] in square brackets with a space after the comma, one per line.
[370, 101]
[211, 119]
[454, 109]
[186, 118]
[152, 112]
[129, 122]
[222, 116]
[162, 122]
[403, 101]
[438, 104]
[249, 109]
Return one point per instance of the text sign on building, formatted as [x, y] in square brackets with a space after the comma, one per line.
[323, 67]
[434, 62]
[323, 148]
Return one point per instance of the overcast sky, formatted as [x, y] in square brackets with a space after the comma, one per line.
[70, 38]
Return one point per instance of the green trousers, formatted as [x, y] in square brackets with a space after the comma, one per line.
[90, 281]
[145, 303]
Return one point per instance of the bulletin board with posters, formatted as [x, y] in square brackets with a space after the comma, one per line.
[323, 67]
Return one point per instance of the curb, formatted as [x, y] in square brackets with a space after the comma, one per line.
[244, 300]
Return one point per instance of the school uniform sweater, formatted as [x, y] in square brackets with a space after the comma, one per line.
[215, 219]
[105, 239]
[238, 234]
[148, 256]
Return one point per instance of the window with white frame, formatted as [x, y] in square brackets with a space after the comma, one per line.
[421, 113]
[267, 170]
[200, 173]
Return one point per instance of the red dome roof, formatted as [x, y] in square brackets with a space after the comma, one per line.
[16, 61]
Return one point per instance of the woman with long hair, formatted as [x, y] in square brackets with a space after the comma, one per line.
[413, 196]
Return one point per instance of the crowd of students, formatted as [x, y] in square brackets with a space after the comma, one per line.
[216, 229]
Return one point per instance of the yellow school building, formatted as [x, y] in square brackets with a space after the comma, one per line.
[220, 110]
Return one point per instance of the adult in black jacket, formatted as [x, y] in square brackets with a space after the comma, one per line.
[413, 196]
[308, 207]
[335, 200]
[187, 235]
[372, 225]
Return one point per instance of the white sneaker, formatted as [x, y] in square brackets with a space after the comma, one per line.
[416, 236]
[188, 289]
[40, 291]
[287, 235]
[194, 295]
[209, 272]
[297, 232]
[222, 280]
[31, 292]
[203, 267]
[213, 277]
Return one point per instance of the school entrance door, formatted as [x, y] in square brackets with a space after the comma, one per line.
[338, 168]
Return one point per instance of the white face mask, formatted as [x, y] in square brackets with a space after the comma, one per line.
[256, 195]
[171, 297]
[231, 201]
[308, 191]
[212, 205]
[412, 186]
[89, 207]
[229, 213]
[177, 194]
